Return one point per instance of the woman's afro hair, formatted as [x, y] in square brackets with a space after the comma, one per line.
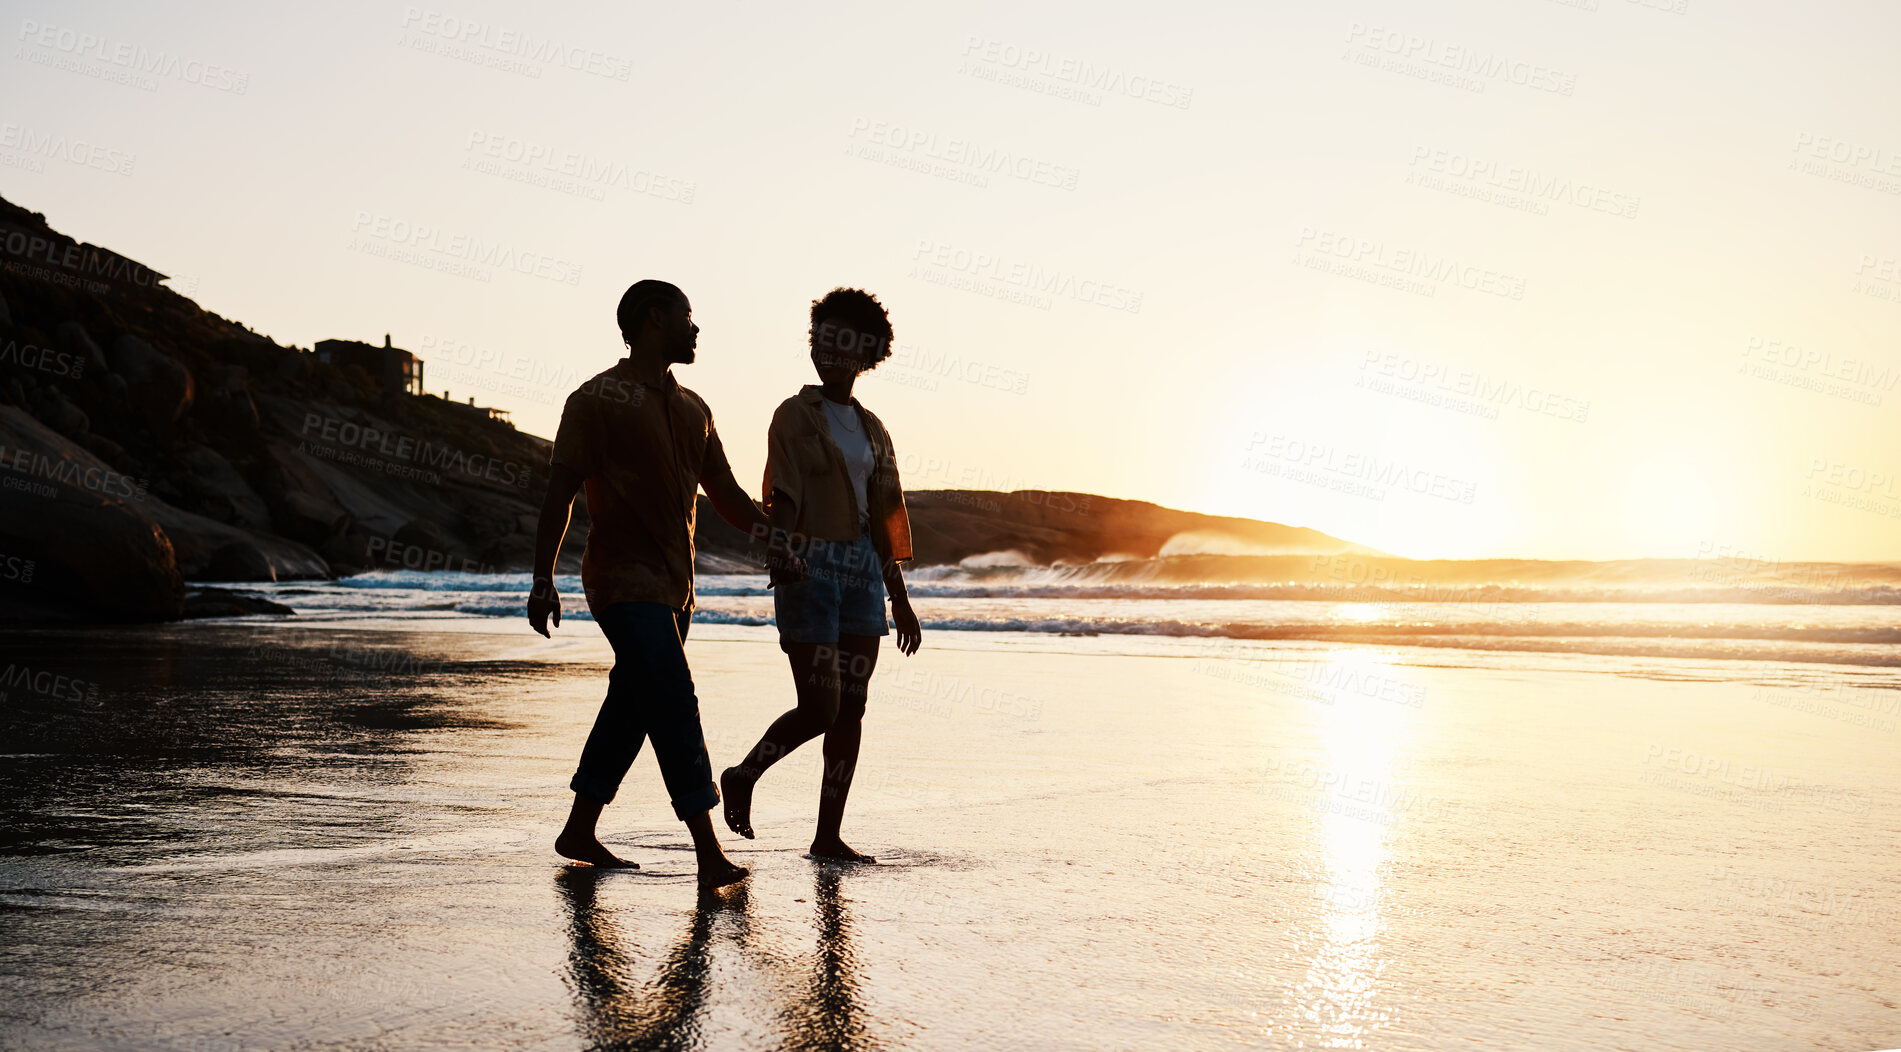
[859, 311]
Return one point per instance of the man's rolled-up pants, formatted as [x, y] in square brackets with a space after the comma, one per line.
[649, 695]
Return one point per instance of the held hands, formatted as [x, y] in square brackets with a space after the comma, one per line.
[910, 633]
[784, 564]
[543, 600]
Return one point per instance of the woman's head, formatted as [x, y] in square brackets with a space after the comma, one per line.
[850, 332]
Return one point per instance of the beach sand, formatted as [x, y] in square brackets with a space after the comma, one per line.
[229, 835]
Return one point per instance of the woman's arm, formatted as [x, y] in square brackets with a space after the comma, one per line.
[910, 633]
[784, 561]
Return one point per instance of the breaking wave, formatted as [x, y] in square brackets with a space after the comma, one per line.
[1808, 612]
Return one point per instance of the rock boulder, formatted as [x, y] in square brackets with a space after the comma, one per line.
[159, 389]
[84, 548]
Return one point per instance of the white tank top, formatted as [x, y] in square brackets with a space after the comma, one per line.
[848, 432]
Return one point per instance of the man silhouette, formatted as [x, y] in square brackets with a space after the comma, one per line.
[643, 446]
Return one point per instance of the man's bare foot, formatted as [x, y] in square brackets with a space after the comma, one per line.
[836, 851]
[720, 873]
[589, 850]
[735, 788]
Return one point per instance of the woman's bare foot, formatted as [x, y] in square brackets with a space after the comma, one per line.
[589, 850]
[735, 788]
[718, 874]
[835, 851]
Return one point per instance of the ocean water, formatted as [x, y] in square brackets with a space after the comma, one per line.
[310, 833]
[1812, 613]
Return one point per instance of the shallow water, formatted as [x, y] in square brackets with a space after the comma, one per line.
[253, 835]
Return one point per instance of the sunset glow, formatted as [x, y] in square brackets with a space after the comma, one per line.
[1579, 313]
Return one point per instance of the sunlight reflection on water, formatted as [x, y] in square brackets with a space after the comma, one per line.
[1339, 994]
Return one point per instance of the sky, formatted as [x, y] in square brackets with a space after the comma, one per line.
[1597, 279]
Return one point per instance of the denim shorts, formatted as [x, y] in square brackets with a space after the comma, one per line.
[842, 593]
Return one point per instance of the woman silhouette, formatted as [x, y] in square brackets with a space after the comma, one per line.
[832, 483]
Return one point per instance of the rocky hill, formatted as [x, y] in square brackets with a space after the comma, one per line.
[1045, 527]
[146, 442]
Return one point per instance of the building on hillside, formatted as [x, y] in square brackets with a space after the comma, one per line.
[395, 370]
[486, 412]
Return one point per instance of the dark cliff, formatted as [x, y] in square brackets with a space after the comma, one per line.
[174, 444]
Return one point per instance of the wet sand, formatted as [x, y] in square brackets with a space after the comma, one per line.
[287, 836]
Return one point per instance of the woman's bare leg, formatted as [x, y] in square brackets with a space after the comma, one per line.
[858, 657]
[815, 672]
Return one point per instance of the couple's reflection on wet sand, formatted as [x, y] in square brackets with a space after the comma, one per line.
[815, 994]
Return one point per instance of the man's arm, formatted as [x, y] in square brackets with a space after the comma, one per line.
[728, 496]
[733, 504]
[556, 506]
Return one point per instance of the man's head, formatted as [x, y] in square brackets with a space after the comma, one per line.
[850, 332]
[658, 312]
